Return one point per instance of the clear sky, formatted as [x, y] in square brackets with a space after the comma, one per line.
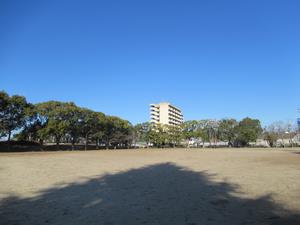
[211, 58]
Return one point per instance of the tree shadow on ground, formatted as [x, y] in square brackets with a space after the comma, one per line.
[19, 146]
[160, 194]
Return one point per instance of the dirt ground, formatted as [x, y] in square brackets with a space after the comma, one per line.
[159, 187]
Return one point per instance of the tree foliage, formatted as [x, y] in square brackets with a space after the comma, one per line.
[227, 130]
[58, 122]
[12, 113]
[247, 131]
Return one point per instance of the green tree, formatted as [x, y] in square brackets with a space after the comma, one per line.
[55, 117]
[190, 128]
[211, 127]
[202, 132]
[248, 130]
[158, 135]
[88, 124]
[227, 130]
[12, 113]
[73, 116]
[36, 121]
[31, 127]
[196, 129]
[123, 133]
[4, 103]
[141, 132]
[174, 135]
[117, 132]
[99, 129]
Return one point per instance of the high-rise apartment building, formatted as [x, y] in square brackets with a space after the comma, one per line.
[165, 113]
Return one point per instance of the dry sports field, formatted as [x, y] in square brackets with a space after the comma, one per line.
[161, 187]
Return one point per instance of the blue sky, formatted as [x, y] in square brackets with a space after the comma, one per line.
[213, 59]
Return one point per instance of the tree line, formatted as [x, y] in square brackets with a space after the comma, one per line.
[58, 122]
[231, 131]
[65, 122]
[210, 133]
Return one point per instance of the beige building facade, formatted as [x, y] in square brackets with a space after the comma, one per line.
[165, 113]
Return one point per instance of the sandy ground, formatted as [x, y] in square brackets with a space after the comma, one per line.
[161, 187]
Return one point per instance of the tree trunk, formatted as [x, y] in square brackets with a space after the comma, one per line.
[97, 141]
[86, 142]
[8, 140]
[41, 144]
[107, 144]
[9, 136]
[57, 140]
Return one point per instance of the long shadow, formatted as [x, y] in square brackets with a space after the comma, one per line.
[160, 194]
[34, 147]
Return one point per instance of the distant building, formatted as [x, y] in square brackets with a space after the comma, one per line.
[165, 113]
